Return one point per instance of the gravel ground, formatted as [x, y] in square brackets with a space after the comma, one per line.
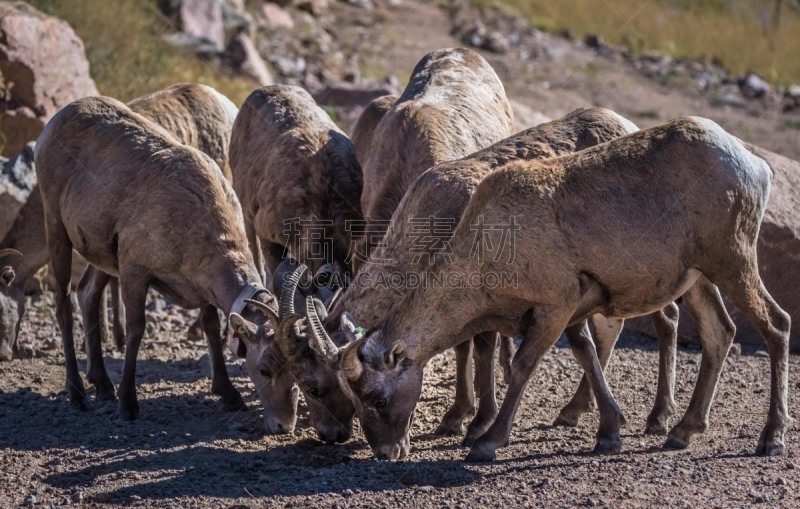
[184, 451]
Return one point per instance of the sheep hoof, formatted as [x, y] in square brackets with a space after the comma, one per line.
[674, 442]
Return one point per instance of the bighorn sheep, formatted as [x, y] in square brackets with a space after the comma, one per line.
[453, 105]
[297, 178]
[443, 192]
[300, 194]
[197, 115]
[139, 205]
[683, 207]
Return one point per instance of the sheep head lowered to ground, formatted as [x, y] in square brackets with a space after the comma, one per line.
[298, 180]
[197, 115]
[682, 206]
[139, 205]
[443, 192]
[331, 411]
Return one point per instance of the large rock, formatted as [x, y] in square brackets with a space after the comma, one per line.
[242, 56]
[42, 68]
[200, 20]
[17, 180]
[778, 256]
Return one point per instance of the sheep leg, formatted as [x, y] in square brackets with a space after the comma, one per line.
[220, 383]
[61, 262]
[485, 348]
[118, 315]
[607, 332]
[506, 354]
[608, 438]
[755, 302]
[464, 404]
[134, 285]
[91, 294]
[704, 303]
[666, 324]
[539, 338]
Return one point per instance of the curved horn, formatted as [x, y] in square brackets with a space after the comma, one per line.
[351, 364]
[286, 342]
[318, 332]
[332, 300]
[289, 289]
[268, 312]
[9, 252]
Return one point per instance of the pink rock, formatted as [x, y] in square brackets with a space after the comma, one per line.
[275, 16]
[42, 68]
[203, 19]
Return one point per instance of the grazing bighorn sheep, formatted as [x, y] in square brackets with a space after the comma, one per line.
[453, 105]
[297, 178]
[443, 192]
[683, 203]
[139, 205]
[331, 410]
[197, 115]
[303, 173]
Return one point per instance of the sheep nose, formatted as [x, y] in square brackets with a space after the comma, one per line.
[388, 452]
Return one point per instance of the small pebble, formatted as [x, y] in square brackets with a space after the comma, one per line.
[30, 500]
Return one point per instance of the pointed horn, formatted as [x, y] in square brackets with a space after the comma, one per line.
[289, 289]
[9, 252]
[351, 364]
[318, 332]
[268, 312]
[284, 335]
[333, 298]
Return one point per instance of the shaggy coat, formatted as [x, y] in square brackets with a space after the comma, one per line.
[197, 115]
[682, 205]
[297, 177]
[139, 205]
[453, 106]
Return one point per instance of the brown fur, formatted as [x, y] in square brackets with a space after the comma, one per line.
[290, 160]
[363, 132]
[139, 205]
[454, 105]
[197, 115]
[651, 241]
[443, 192]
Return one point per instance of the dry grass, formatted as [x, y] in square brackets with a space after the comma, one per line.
[741, 33]
[127, 52]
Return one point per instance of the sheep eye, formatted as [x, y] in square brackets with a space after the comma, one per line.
[380, 403]
[266, 373]
[313, 393]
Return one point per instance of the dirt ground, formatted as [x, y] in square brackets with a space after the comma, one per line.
[185, 451]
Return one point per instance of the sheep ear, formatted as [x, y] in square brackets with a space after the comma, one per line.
[350, 328]
[6, 277]
[243, 330]
[397, 354]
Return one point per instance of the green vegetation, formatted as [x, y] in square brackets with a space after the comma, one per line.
[762, 36]
[127, 51]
